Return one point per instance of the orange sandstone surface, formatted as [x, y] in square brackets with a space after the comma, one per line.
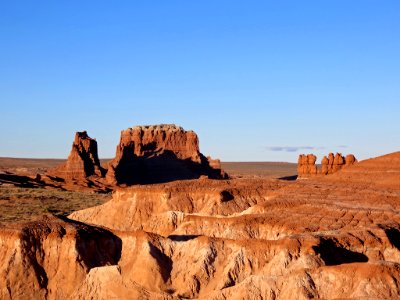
[326, 237]
[160, 153]
[145, 154]
[329, 164]
[83, 161]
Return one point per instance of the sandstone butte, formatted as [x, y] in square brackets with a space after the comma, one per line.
[83, 160]
[329, 164]
[145, 154]
[160, 153]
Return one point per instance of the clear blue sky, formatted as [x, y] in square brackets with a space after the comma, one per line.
[257, 80]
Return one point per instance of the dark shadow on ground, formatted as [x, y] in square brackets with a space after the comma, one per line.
[393, 234]
[183, 237]
[334, 254]
[288, 178]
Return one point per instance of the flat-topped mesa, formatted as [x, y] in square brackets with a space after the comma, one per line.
[83, 160]
[329, 164]
[160, 153]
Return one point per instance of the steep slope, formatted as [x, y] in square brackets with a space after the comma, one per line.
[49, 258]
[83, 160]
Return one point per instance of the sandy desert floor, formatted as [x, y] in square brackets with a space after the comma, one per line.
[20, 200]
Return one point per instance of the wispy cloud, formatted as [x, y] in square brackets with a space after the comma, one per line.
[342, 146]
[292, 148]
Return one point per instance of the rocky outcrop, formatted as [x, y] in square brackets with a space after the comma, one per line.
[48, 258]
[334, 163]
[329, 164]
[383, 170]
[306, 164]
[249, 239]
[82, 162]
[331, 237]
[160, 153]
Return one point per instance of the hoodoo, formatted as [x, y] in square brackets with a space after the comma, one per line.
[330, 164]
[83, 161]
[160, 153]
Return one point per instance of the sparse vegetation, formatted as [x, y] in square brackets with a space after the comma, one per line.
[21, 204]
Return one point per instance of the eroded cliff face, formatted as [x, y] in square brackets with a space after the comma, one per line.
[329, 164]
[328, 237]
[160, 153]
[249, 239]
[82, 162]
[49, 258]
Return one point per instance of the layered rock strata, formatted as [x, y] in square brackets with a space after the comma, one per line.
[330, 237]
[83, 160]
[160, 153]
[49, 258]
[251, 239]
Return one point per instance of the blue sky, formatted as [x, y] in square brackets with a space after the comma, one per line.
[257, 80]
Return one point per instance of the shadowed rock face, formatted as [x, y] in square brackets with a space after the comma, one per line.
[160, 153]
[329, 164]
[83, 161]
[48, 258]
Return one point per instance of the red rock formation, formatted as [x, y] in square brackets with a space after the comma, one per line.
[159, 153]
[306, 164]
[48, 258]
[334, 163]
[331, 237]
[83, 161]
[350, 159]
[315, 239]
[329, 164]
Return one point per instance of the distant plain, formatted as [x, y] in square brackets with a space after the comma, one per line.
[19, 203]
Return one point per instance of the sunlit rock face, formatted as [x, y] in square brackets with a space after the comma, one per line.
[160, 153]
